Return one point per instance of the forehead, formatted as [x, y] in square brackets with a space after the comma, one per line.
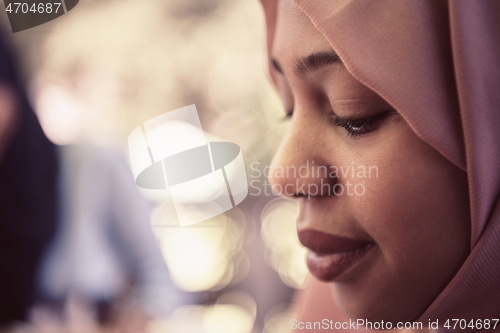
[295, 36]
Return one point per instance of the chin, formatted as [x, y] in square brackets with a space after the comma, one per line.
[367, 303]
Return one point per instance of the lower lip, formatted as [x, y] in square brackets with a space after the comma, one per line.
[329, 267]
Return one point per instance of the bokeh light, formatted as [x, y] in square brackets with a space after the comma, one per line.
[124, 62]
[204, 256]
[278, 319]
[233, 312]
[285, 253]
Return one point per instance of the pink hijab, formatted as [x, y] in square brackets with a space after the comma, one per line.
[438, 63]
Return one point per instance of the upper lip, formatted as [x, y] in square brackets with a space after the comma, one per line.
[325, 243]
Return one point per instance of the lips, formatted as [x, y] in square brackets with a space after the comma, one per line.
[331, 255]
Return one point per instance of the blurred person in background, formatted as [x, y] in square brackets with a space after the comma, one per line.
[72, 221]
[410, 87]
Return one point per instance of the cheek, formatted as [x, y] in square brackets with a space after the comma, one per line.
[418, 203]
[417, 212]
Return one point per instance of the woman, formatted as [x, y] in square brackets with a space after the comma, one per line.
[409, 87]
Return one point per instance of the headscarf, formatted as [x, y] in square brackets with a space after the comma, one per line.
[28, 204]
[438, 63]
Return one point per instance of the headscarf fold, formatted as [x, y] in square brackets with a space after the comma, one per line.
[438, 63]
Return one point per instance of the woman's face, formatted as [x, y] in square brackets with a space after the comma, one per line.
[399, 208]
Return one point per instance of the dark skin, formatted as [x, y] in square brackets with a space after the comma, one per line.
[415, 212]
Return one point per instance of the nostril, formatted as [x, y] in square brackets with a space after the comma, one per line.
[294, 177]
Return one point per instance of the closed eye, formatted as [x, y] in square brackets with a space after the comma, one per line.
[361, 126]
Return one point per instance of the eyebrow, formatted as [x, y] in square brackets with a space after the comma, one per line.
[310, 63]
[316, 61]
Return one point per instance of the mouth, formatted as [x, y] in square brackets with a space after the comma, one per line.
[331, 256]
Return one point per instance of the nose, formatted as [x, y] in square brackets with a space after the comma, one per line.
[301, 166]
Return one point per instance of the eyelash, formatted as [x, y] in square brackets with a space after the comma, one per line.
[355, 127]
[362, 126]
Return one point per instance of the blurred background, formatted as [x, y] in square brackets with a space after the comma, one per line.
[108, 66]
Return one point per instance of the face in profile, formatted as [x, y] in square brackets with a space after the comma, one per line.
[385, 216]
